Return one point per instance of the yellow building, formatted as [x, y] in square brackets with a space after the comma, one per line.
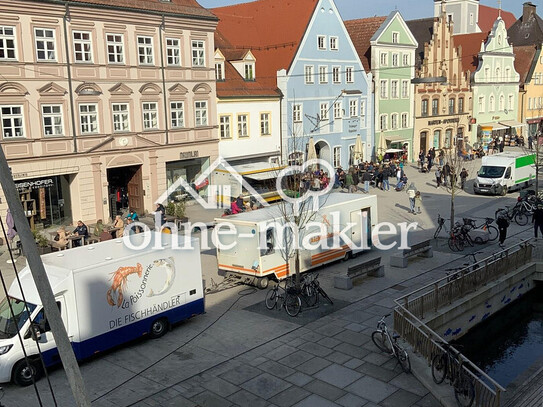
[529, 63]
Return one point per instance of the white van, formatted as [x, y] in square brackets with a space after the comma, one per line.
[107, 293]
[503, 172]
[258, 265]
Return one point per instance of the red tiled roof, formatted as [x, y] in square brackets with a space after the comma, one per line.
[361, 31]
[186, 7]
[236, 86]
[271, 29]
[470, 45]
[488, 15]
[524, 58]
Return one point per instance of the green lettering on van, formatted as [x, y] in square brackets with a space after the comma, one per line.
[525, 160]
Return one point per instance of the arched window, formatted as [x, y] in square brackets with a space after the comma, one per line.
[498, 74]
[491, 103]
[502, 102]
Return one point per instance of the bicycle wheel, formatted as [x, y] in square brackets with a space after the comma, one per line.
[380, 339]
[403, 358]
[438, 230]
[521, 218]
[271, 298]
[439, 368]
[293, 304]
[464, 390]
[310, 295]
[452, 244]
[492, 232]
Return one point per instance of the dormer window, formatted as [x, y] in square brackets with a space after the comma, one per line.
[395, 37]
[219, 71]
[250, 72]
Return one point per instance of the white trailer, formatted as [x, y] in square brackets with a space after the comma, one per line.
[108, 294]
[259, 261]
[503, 172]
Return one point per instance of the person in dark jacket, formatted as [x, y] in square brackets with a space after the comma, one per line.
[537, 220]
[366, 177]
[503, 224]
[80, 230]
[446, 172]
[386, 174]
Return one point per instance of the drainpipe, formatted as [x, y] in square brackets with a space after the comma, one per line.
[69, 69]
[160, 30]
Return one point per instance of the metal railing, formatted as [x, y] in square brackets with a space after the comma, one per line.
[412, 308]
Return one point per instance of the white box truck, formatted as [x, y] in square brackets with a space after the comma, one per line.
[503, 172]
[108, 294]
[257, 263]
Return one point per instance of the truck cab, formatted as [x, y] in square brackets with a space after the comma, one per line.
[504, 172]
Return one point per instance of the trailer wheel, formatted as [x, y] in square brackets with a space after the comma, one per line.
[263, 282]
[159, 327]
[24, 374]
[347, 256]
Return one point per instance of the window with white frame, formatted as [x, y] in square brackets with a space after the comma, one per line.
[219, 71]
[481, 104]
[395, 58]
[249, 72]
[7, 42]
[224, 127]
[173, 52]
[405, 89]
[349, 74]
[145, 51]
[120, 117]
[88, 118]
[297, 113]
[336, 76]
[424, 107]
[362, 108]
[198, 53]
[405, 58]
[321, 41]
[395, 37]
[351, 154]
[507, 74]
[394, 121]
[115, 48]
[394, 89]
[243, 131]
[150, 116]
[383, 59]
[337, 157]
[383, 91]
[82, 46]
[461, 105]
[45, 44]
[452, 103]
[177, 115]
[308, 74]
[502, 103]
[324, 111]
[491, 103]
[435, 107]
[323, 74]
[200, 113]
[530, 104]
[404, 121]
[353, 107]
[383, 119]
[12, 121]
[265, 124]
[334, 43]
[52, 120]
[338, 110]
[510, 102]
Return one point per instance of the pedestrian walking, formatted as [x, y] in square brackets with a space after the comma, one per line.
[349, 182]
[366, 177]
[537, 220]
[356, 179]
[530, 142]
[446, 172]
[411, 193]
[398, 174]
[503, 224]
[441, 157]
[418, 202]
[386, 174]
[463, 178]
[438, 177]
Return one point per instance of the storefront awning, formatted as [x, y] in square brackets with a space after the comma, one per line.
[494, 125]
[512, 123]
[397, 138]
[261, 176]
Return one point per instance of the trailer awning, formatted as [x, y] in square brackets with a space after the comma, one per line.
[512, 123]
[261, 176]
[494, 125]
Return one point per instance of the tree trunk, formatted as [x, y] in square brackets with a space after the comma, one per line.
[297, 267]
[452, 207]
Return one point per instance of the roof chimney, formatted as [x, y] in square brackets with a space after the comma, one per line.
[528, 9]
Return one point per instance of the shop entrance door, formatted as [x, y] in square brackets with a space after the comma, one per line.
[125, 190]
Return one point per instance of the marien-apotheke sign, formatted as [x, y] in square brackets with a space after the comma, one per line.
[444, 121]
[188, 154]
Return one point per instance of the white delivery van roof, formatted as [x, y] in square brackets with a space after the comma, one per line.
[274, 211]
[503, 159]
[57, 278]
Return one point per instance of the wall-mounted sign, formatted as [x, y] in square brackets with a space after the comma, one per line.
[35, 184]
[354, 125]
[444, 121]
[188, 154]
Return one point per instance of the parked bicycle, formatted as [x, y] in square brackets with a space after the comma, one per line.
[389, 344]
[515, 213]
[459, 238]
[320, 291]
[455, 272]
[486, 226]
[286, 297]
[440, 225]
[308, 289]
[448, 365]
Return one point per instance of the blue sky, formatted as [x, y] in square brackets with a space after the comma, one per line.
[410, 9]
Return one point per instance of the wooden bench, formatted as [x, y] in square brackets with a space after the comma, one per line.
[371, 268]
[423, 249]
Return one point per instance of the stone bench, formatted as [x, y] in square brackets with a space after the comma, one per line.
[423, 249]
[372, 268]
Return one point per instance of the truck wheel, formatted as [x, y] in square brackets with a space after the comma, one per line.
[158, 328]
[23, 373]
[504, 191]
[262, 283]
